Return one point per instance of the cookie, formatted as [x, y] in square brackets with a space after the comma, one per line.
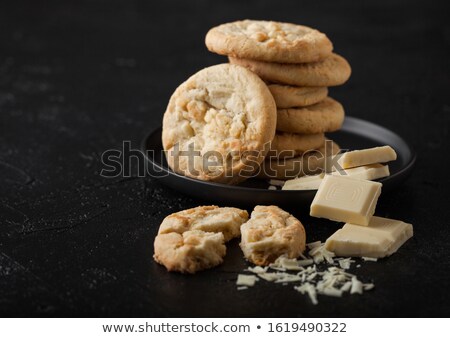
[290, 96]
[310, 163]
[332, 71]
[192, 240]
[189, 252]
[270, 233]
[269, 41]
[217, 124]
[289, 145]
[210, 218]
[325, 116]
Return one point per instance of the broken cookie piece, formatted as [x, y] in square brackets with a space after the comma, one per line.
[270, 233]
[192, 240]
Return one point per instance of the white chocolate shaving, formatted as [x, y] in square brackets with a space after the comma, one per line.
[332, 281]
[246, 280]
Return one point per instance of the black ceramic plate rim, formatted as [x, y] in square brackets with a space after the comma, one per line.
[406, 168]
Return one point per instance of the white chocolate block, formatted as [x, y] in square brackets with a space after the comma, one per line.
[381, 238]
[346, 199]
[358, 158]
[367, 172]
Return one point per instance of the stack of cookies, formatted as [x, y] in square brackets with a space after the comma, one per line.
[298, 66]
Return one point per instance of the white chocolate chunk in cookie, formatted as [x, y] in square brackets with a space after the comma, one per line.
[270, 233]
[190, 251]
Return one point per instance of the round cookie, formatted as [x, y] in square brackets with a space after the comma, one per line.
[332, 71]
[217, 124]
[290, 96]
[325, 116]
[310, 163]
[269, 41]
[270, 233]
[190, 251]
[286, 145]
[210, 218]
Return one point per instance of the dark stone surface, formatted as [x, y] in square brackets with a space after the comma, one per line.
[80, 77]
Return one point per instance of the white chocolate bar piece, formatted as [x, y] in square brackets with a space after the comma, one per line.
[346, 199]
[381, 238]
[358, 158]
[304, 183]
[367, 172]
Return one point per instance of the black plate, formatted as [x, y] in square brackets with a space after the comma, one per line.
[355, 134]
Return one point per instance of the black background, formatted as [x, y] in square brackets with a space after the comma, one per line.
[79, 77]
